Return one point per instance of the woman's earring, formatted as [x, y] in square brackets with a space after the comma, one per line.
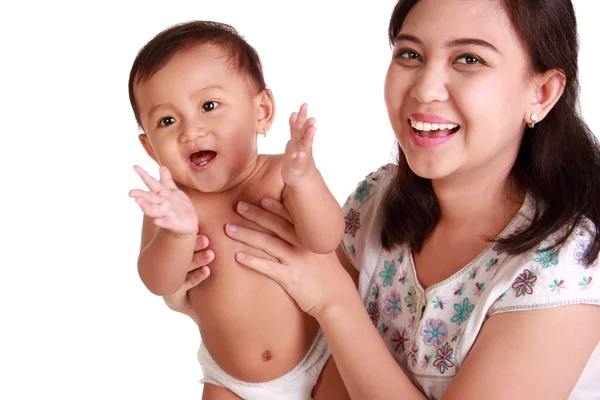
[264, 132]
[534, 118]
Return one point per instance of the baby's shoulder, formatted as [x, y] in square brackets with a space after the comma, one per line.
[267, 180]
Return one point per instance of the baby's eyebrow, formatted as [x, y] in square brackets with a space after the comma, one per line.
[156, 107]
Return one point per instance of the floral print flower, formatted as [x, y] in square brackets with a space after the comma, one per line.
[557, 285]
[402, 277]
[393, 305]
[375, 291]
[491, 265]
[411, 300]
[518, 229]
[352, 250]
[581, 250]
[363, 191]
[389, 270]
[425, 361]
[458, 289]
[412, 322]
[383, 329]
[586, 282]
[473, 272]
[414, 354]
[524, 283]
[462, 312]
[546, 258]
[478, 288]
[374, 176]
[399, 340]
[443, 358]
[352, 222]
[373, 311]
[439, 302]
[434, 332]
[400, 257]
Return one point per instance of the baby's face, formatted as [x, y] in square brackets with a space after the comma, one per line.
[200, 119]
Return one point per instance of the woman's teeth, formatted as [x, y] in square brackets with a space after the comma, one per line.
[426, 126]
[430, 130]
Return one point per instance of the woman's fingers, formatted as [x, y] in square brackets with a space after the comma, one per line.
[280, 226]
[276, 208]
[269, 268]
[269, 244]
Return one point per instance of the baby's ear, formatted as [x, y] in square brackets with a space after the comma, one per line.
[265, 111]
[147, 146]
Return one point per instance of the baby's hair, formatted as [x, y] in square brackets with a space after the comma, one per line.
[158, 51]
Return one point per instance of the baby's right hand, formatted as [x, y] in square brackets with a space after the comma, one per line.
[170, 208]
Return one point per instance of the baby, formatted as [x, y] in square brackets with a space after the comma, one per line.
[198, 94]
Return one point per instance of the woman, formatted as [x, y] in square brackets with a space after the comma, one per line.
[476, 256]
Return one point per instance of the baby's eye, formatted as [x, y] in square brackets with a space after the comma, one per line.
[166, 121]
[470, 59]
[209, 106]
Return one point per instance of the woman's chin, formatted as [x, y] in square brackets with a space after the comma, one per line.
[431, 170]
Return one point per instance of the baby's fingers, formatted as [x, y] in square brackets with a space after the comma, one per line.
[307, 138]
[302, 115]
[152, 210]
[150, 197]
[152, 183]
[166, 178]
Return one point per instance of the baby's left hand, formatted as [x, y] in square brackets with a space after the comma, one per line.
[298, 164]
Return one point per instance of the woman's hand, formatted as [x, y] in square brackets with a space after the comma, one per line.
[314, 281]
[197, 272]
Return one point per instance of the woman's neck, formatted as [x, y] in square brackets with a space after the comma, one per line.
[478, 200]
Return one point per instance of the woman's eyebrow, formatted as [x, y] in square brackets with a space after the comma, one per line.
[451, 43]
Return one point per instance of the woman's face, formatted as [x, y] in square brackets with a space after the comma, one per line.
[457, 89]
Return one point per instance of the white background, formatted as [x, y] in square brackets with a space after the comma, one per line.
[75, 320]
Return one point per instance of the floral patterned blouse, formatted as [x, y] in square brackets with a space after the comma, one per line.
[430, 332]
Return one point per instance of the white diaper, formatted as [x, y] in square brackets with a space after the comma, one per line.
[295, 385]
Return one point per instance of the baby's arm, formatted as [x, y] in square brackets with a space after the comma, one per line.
[169, 233]
[317, 215]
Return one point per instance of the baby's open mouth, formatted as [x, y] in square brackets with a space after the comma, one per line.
[202, 158]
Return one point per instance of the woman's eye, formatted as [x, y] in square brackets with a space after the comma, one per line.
[469, 59]
[209, 106]
[166, 121]
[408, 54]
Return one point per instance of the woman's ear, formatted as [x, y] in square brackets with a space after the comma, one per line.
[548, 89]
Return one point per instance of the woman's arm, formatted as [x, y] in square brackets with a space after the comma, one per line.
[517, 355]
[322, 288]
[536, 354]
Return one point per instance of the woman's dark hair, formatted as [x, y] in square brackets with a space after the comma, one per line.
[158, 51]
[558, 161]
